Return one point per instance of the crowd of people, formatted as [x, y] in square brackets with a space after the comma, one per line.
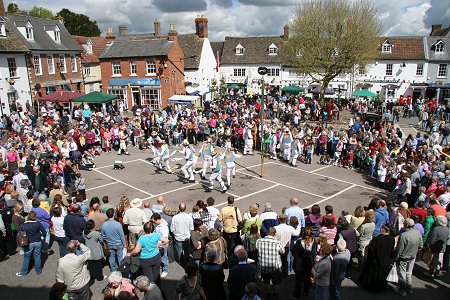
[44, 193]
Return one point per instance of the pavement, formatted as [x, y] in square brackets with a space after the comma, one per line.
[342, 188]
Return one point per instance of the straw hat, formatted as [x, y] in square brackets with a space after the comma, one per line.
[136, 202]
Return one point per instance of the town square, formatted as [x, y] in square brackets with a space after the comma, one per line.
[224, 149]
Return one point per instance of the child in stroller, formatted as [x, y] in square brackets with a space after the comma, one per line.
[87, 161]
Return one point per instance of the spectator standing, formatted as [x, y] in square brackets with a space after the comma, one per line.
[181, 227]
[436, 243]
[151, 291]
[97, 216]
[304, 253]
[135, 218]
[269, 219]
[339, 268]
[112, 233]
[93, 240]
[284, 234]
[322, 272]
[212, 277]
[72, 270]
[295, 210]
[74, 224]
[269, 256]
[43, 217]
[231, 217]
[365, 234]
[213, 212]
[35, 233]
[409, 242]
[381, 217]
[162, 228]
[190, 285]
[240, 275]
[58, 230]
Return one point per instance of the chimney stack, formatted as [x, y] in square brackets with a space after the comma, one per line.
[123, 30]
[110, 37]
[157, 25]
[2, 9]
[59, 18]
[286, 32]
[172, 35]
[435, 28]
[201, 26]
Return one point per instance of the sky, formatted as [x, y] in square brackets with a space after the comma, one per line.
[238, 17]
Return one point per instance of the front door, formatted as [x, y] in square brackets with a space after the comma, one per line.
[136, 96]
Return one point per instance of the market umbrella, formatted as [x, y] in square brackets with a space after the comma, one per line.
[234, 86]
[364, 94]
[95, 97]
[292, 89]
[318, 89]
[61, 96]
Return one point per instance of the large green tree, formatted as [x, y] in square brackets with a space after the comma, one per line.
[12, 8]
[329, 37]
[41, 12]
[79, 24]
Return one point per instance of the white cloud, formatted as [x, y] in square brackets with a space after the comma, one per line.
[241, 18]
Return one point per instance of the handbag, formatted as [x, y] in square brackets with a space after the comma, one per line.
[106, 250]
[240, 225]
[393, 276]
[427, 256]
[22, 239]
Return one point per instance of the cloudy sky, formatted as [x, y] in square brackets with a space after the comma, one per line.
[238, 17]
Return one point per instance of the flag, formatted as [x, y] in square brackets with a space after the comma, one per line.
[217, 62]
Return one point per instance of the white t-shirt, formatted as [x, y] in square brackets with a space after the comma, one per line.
[58, 226]
[214, 213]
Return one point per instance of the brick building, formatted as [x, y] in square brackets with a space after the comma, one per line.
[54, 56]
[143, 69]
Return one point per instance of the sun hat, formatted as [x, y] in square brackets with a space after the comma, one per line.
[136, 202]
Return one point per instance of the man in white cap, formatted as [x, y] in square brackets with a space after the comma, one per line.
[206, 151]
[286, 140]
[295, 150]
[248, 139]
[229, 157]
[338, 268]
[191, 160]
[216, 173]
[273, 144]
[135, 218]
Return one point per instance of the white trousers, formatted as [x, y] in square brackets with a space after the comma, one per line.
[216, 176]
[286, 151]
[273, 150]
[206, 161]
[248, 146]
[188, 169]
[231, 170]
[164, 160]
[294, 157]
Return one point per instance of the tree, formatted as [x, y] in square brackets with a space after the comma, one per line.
[41, 12]
[330, 37]
[12, 8]
[79, 24]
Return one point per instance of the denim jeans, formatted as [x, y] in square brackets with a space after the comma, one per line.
[321, 292]
[182, 251]
[335, 289]
[165, 259]
[62, 243]
[444, 138]
[35, 250]
[116, 257]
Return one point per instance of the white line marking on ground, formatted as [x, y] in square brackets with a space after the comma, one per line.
[320, 169]
[234, 195]
[171, 191]
[124, 183]
[100, 186]
[337, 179]
[249, 195]
[281, 184]
[412, 127]
[124, 162]
[254, 166]
[332, 196]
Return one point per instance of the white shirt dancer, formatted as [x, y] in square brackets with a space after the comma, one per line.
[273, 144]
[229, 157]
[153, 141]
[216, 172]
[286, 140]
[296, 148]
[191, 160]
[163, 157]
[205, 151]
[248, 139]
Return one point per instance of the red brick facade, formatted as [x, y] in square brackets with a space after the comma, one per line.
[39, 84]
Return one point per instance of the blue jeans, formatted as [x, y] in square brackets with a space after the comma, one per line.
[321, 292]
[444, 138]
[35, 250]
[116, 257]
[335, 289]
[182, 251]
[62, 243]
[165, 260]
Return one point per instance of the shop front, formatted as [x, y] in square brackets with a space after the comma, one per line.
[137, 91]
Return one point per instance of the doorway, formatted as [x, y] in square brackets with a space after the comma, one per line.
[136, 96]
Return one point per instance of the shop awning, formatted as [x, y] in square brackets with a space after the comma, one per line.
[135, 81]
[60, 96]
[95, 97]
[182, 99]
[436, 86]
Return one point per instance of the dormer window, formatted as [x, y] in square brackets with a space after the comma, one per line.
[386, 47]
[273, 50]
[88, 47]
[57, 34]
[240, 50]
[29, 31]
[439, 47]
[2, 26]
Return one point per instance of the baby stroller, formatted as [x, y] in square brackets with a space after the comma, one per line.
[87, 161]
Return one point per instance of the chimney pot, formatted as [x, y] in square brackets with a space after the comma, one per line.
[110, 37]
[123, 30]
[157, 26]
[201, 26]
[286, 32]
[172, 35]
[435, 28]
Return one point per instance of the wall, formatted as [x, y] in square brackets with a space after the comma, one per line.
[21, 86]
[206, 69]
[251, 75]
[93, 81]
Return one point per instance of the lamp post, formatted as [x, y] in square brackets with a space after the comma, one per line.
[262, 71]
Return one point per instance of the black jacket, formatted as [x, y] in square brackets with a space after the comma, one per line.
[74, 224]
